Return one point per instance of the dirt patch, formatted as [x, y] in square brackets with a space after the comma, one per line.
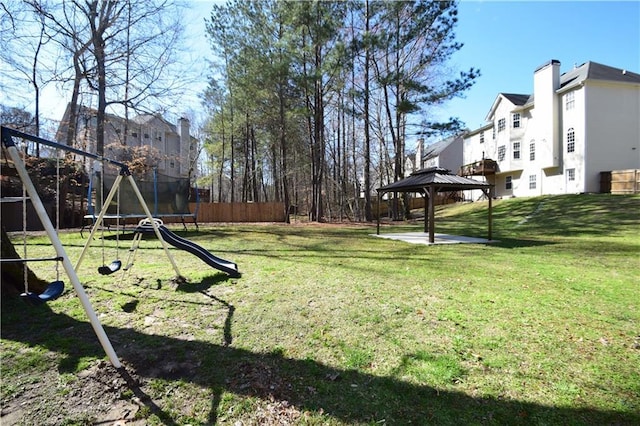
[97, 395]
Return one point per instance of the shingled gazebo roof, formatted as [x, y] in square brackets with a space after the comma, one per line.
[441, 179]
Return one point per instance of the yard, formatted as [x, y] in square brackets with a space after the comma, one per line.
[329, 325]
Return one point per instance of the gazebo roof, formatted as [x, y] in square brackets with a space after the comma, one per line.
[442, 180]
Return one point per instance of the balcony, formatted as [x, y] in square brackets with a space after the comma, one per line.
[479, 168]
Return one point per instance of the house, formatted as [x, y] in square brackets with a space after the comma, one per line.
[559, 139]
[445, 154]
[177, 148]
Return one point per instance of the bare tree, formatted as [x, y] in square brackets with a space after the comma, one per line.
[119, 53]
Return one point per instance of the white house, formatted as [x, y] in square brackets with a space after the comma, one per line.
[558, 140]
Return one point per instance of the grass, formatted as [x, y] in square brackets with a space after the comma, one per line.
[328, 325]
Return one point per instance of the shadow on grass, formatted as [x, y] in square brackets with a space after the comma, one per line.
[348, 395]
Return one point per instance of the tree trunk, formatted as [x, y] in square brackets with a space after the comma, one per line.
[12, 274]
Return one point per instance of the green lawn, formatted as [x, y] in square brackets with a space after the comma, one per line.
[328, 325]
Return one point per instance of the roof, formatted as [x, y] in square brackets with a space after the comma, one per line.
[595, 71]
[435, 149]
[441, 179]
[516, 99]
[148, 119]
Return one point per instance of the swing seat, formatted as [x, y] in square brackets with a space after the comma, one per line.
[52, 292]
[108, 270]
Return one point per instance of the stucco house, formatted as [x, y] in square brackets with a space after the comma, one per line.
[559, 139]
[177, 147]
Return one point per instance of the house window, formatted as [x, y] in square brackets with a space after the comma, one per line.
[146, 135]
[571, 140]
[570, 100]
[532, 181]
[494, 133]
[516, 120]
[532, 151]
[508, 182]
[502, 124]
[172, 164]
[134, 134]
[501, 152]
[516, 150]
[571, 175]
[481, 137]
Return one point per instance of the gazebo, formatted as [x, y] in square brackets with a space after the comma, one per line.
[429, 182]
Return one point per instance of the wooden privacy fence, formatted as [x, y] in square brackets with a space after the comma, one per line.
[240, 212]
[625, 181]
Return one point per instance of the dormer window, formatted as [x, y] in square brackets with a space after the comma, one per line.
[515, 120]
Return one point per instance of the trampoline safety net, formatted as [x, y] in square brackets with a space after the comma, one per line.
[164, 195]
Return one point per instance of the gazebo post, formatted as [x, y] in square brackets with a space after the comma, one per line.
[426, 208]
[378, 224]
[432, 227]
[490, 218]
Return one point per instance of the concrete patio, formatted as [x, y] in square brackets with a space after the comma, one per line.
[423, 238]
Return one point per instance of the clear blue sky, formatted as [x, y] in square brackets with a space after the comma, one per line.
[508, 40]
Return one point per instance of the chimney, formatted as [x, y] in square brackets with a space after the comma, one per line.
[419, 149]
[185, 142]
[546, 81]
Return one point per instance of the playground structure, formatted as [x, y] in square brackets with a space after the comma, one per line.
[148, 225]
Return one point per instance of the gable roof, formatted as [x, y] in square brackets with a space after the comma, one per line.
[441, 179]
[435, 149]
[516, 99]
[595, 71]
[154, 120]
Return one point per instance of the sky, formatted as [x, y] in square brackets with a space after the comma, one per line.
[506, 40]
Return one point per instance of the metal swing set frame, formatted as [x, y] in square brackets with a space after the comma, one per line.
[7, 135]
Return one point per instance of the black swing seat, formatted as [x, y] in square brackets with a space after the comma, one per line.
[108, 270]
[52, 292]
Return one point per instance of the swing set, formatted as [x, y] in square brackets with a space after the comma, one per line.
[56, 288]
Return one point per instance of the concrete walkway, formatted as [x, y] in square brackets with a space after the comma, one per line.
[423, 238]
